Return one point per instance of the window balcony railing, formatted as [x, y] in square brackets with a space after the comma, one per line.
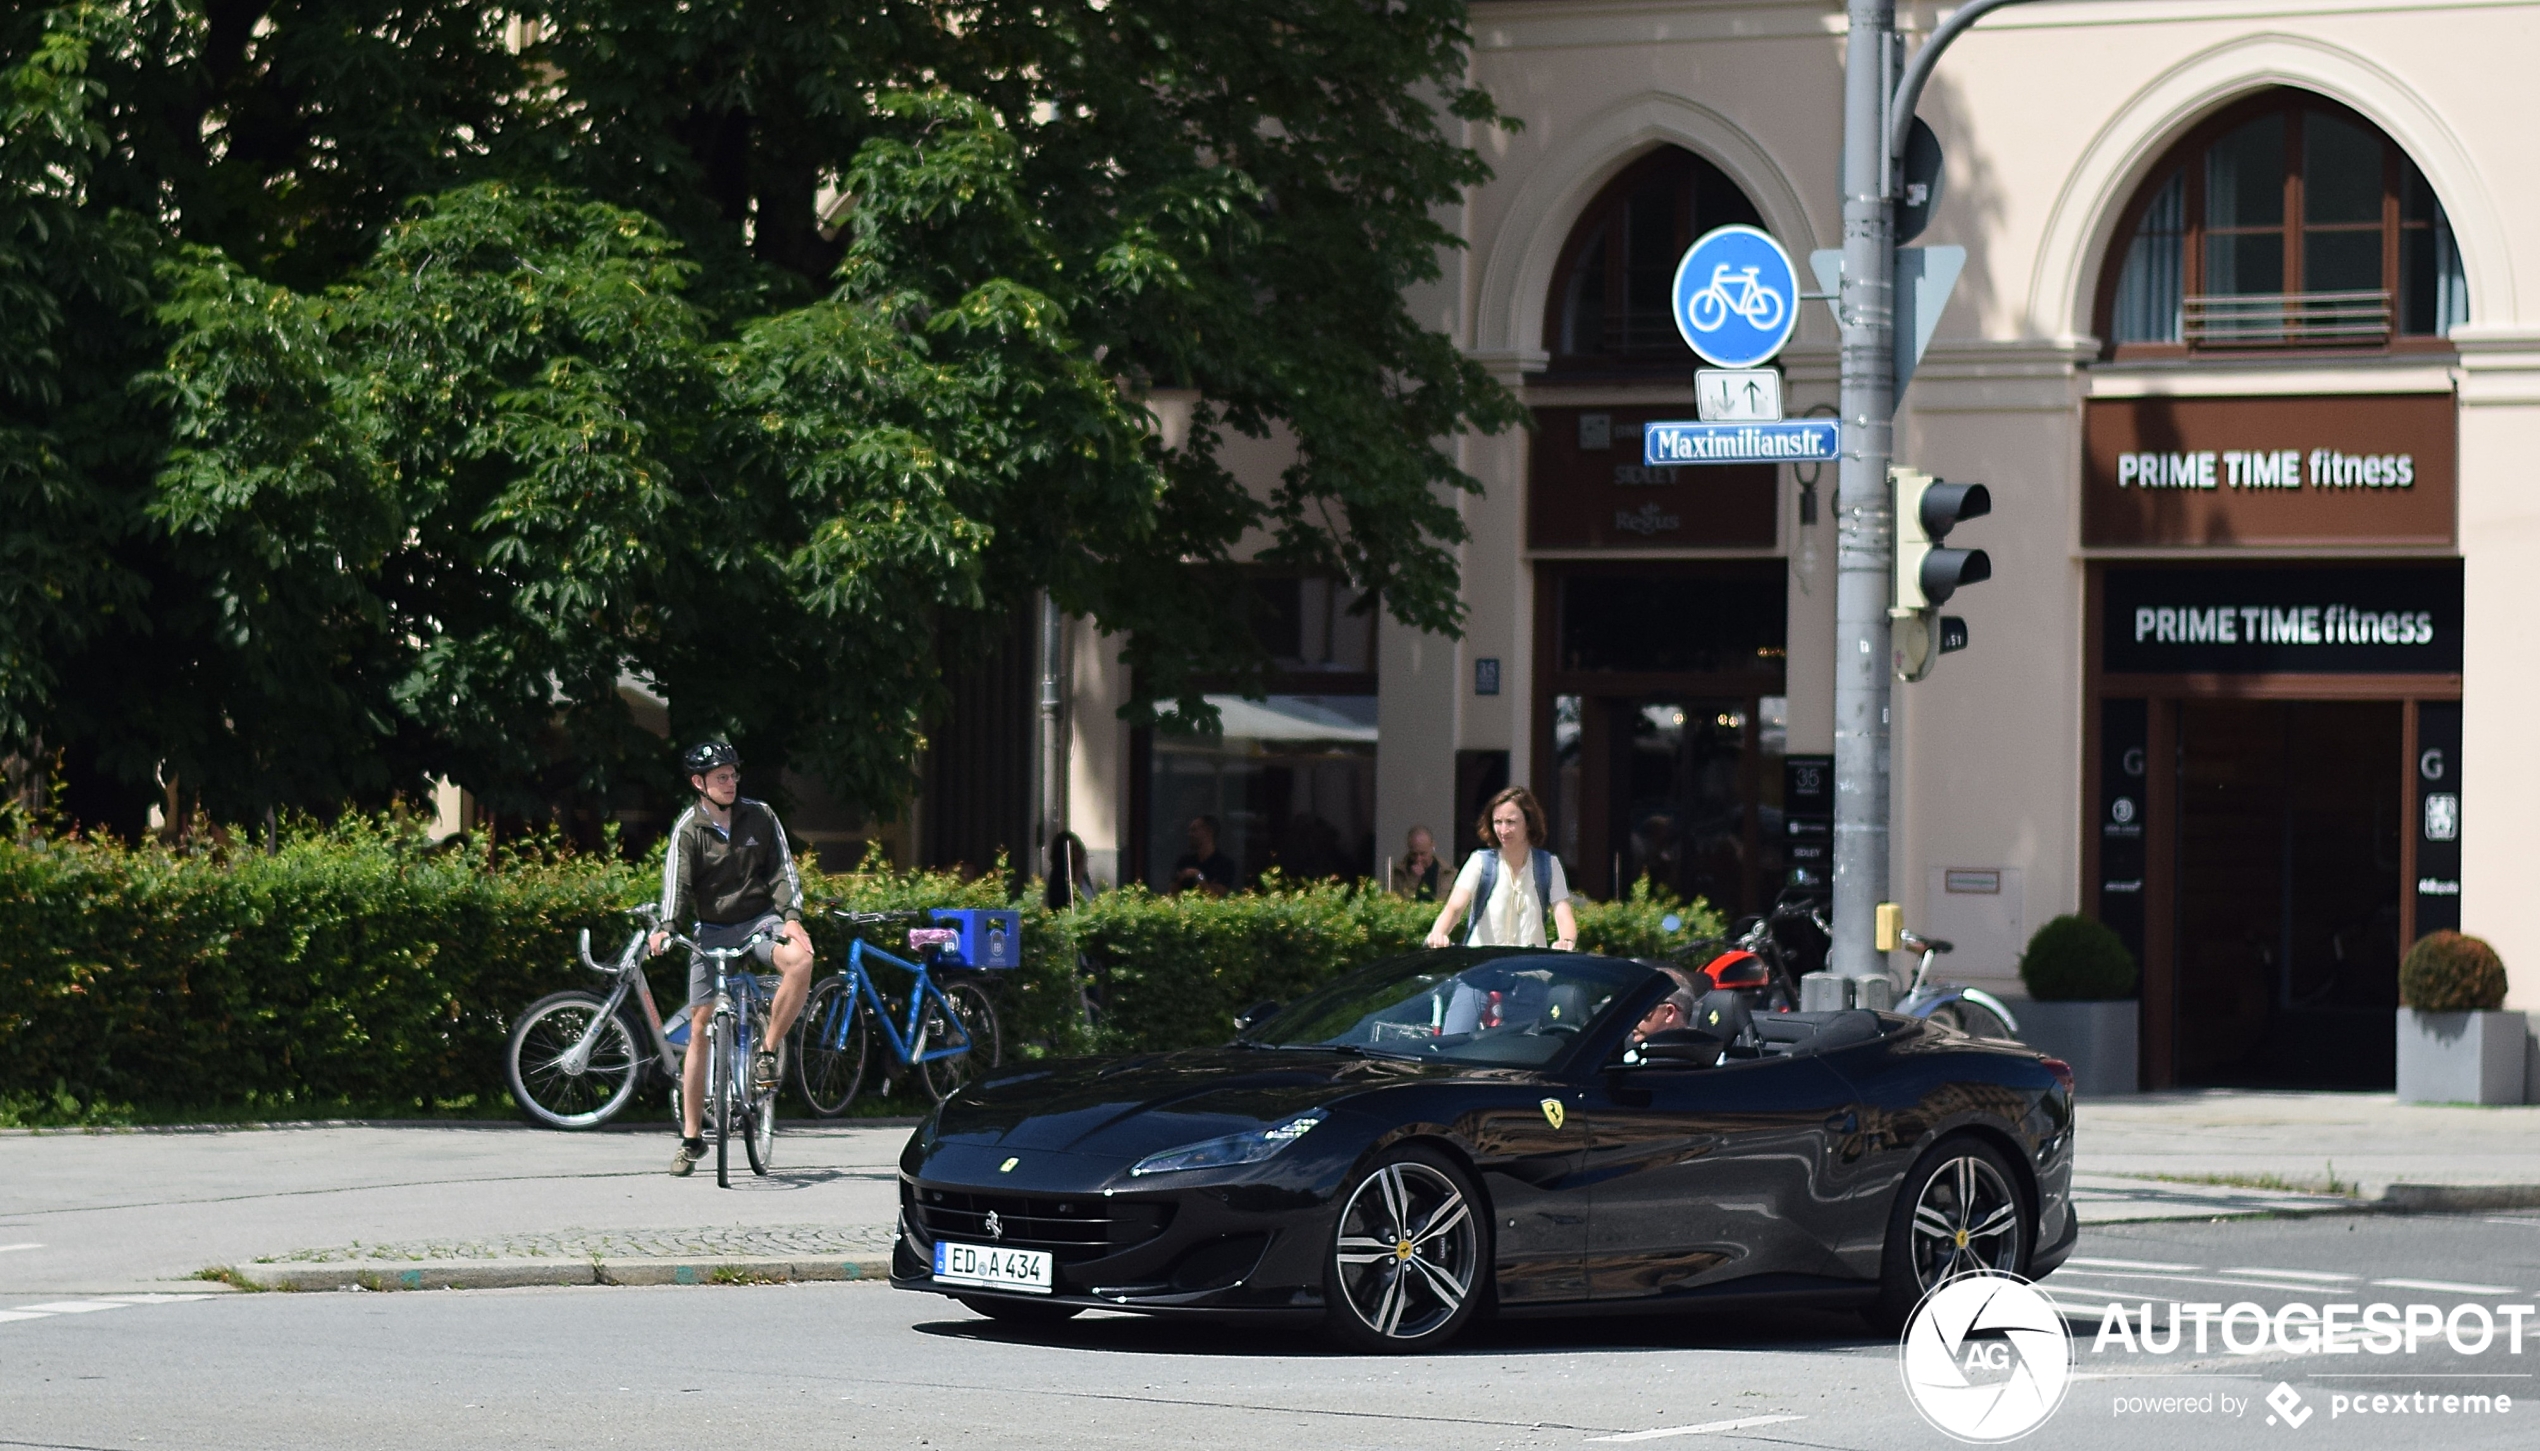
[2286, 320]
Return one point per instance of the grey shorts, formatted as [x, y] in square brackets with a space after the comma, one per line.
[727, 934]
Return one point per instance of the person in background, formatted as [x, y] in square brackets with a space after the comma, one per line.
[1068, 882]
[1204, 868]
[1418, 876]
[1510, 891]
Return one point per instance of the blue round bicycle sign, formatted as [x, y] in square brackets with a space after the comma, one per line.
[1736, 297]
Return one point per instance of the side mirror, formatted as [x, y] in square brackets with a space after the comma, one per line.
[1676, 1048]
[1259, 1012]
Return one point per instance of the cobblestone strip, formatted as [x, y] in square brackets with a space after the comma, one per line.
[786, 1242]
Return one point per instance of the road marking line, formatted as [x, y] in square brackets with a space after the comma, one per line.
[2452, 1286]
[2183, 1279]
[2319, 1276]
[73, 1307]
[2129, 1264]
[1705, 1429]
[24, 1315]
[6, 1248]
[153, 1299]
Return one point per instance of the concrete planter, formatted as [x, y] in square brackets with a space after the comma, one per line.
[2461, 1057]
[2102, 1041]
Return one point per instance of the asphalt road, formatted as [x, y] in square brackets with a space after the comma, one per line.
[833, 1364]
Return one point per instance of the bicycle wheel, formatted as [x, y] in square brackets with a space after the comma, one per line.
[945, 1077]
[1973, 1019]
[761, 1139]
[721, 1089]
[829, 1056]
[544, 1083]
[1708, 310]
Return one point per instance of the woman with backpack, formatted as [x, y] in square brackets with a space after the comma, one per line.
[1511, 890]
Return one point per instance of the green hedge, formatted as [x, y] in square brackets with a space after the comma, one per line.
[360, 969]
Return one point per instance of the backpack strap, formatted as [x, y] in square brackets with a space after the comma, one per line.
[1481, 895]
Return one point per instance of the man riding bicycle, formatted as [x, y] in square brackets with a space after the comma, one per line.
[729, 872]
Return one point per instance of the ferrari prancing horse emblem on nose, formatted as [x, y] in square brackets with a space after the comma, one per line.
[1552, 1112]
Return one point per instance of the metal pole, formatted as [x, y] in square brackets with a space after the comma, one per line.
[1878, 112]
[1865, 523]
[1053, 742]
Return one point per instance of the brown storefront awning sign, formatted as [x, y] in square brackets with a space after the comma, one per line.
[2294, 472]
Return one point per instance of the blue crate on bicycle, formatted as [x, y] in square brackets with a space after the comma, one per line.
[990, 938]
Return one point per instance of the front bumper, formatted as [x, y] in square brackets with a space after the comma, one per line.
[1233, 1251]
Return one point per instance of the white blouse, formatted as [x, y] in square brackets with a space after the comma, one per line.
[1512, 917]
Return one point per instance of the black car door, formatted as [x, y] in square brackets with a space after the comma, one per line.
[1530, 1152]
[1703, 1175]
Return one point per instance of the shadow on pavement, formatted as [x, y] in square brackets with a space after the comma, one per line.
[1748, 1329]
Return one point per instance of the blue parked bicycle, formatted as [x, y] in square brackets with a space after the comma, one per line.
[951, 1030]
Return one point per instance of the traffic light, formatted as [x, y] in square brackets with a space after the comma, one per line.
[1927, 571]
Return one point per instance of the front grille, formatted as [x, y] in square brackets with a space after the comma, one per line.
[1072, 1230]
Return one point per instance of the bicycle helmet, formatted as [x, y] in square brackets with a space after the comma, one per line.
[704, 756]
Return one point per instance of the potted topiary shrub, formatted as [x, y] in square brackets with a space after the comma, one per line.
[2455, 1043]
[2081, 1007]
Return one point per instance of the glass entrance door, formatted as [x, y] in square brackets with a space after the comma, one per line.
[2288, 883]
[1683, 789]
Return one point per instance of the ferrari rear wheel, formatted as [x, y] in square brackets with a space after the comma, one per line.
[1410, 1255]
[1958, 1212]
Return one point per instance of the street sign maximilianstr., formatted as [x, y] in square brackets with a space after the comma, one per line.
[1803, 440]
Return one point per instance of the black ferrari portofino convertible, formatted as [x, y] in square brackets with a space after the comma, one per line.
[1488, 1132]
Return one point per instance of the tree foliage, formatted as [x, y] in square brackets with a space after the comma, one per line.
[388, 381]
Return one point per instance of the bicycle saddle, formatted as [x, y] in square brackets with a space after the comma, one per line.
[921, 938]
[1917, 942]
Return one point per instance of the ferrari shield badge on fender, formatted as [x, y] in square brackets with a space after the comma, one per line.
[1552, 1112]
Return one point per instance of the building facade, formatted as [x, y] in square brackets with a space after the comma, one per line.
[2239, 351]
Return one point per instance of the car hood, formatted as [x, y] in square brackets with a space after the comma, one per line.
[1129, 1108]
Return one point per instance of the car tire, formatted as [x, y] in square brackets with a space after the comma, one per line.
[1393, 1288]
[1960, 1210]
[1021, 1312]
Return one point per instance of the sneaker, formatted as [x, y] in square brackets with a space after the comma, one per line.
[769, 1074]
[686, 1157]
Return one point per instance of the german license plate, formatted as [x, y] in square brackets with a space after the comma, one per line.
[993, 1266]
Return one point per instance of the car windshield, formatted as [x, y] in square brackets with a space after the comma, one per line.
[1512, 1010]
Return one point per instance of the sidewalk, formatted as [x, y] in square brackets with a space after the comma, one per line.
[328, 1206]
[2232, 1151]
[418, 1206]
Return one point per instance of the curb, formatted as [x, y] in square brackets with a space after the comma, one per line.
[2457, 1198]
[513, 1274]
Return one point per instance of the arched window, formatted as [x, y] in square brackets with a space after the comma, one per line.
[1608, 311]
[2288, 221]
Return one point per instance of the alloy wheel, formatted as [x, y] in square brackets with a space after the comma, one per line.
[1408, 1251]
[1966, 1219]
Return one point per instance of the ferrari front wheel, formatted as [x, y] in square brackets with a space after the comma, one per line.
[1410, 1254]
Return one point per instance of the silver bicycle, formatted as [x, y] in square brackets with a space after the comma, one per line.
[1970, 1010]
[573, 1060]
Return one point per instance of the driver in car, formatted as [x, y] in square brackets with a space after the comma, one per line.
[1675, 1010]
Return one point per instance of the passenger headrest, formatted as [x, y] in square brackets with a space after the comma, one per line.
[1723, 1014]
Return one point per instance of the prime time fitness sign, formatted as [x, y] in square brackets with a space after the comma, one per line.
[2295, 471]
[2236, 620]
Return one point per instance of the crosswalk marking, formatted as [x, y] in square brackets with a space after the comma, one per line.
[2450, 1287]
[2322, 1276]
[2130, 1264]
[5, 1248]
[51, 1308]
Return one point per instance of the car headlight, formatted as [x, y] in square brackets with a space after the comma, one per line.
[1244, 1148]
